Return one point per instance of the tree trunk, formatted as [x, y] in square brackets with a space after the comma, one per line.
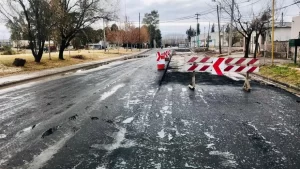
[256, 45]
[37, 55]
[247, 46]
[62, 49]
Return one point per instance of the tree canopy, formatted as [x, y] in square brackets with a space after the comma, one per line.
[151, 20]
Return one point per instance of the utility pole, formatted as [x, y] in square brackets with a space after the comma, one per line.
[220, 48]
[104, 38]
[273, 25]
[139, 31]
[230, 31]
[204, 37]
[197, 29]
[282, 19]
[208, 36]
[223, 39]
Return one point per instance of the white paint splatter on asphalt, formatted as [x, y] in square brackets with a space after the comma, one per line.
[210, 145]
[157, 166]
[2, 136]
[209, 135]
[170, 137]
[162, 149]
[128, 120]
[119, 138]
[47, 154]
[111, 92]
[189, 166]
[229, 158]
[161, 134]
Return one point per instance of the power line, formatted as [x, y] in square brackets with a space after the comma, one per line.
[183, 18]
[287, 6]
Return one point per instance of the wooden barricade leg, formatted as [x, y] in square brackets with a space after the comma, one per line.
[193, 84]
[247, 86]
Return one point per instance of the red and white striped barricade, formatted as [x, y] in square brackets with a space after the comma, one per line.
[220, 65]
[239, 65]
[161, 62]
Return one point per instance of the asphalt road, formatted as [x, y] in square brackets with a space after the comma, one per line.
[119, 116]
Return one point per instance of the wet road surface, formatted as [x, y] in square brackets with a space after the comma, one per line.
[118, 116]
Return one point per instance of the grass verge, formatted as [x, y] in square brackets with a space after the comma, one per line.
[282, 74]
[6, 67]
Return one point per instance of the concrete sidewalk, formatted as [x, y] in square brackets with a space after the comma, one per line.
[10, 80]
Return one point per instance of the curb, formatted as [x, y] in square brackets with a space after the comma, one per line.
[166, 69]
[275, 81]
[100, 63]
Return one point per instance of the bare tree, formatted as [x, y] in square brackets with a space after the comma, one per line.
[260, 24]
[72, 16]
[245, 26]
[30, 17]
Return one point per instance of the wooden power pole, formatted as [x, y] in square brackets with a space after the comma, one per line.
[220, 47]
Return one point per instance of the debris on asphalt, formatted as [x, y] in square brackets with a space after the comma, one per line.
[48, 104]
[109, 121]
[50, 131]
[73, 117]
[94, 118]
[70, 105]
[75, 129]
[33, 126]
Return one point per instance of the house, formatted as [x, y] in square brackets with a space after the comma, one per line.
[99, 45]
[295, 31]
[5, 42]
[201, 40]
[282, 31]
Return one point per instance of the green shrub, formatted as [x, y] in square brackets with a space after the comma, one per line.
[8, 51]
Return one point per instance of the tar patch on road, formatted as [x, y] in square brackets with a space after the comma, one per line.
[185, 78]
[50, 131]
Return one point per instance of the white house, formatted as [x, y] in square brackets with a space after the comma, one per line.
[282, 31]
[200, 40]
[99, 45]
[295, 32]
[5, 43]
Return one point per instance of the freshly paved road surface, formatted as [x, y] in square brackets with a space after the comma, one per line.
[118, 116]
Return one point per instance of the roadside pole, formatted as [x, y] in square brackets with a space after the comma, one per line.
[139, 31]
[197, 35]
[104, 38]
[204, 37]
[208, 35]
[273, 24]
[220, 48]
[231, 27]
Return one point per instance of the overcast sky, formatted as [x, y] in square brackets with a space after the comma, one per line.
[172, 13]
